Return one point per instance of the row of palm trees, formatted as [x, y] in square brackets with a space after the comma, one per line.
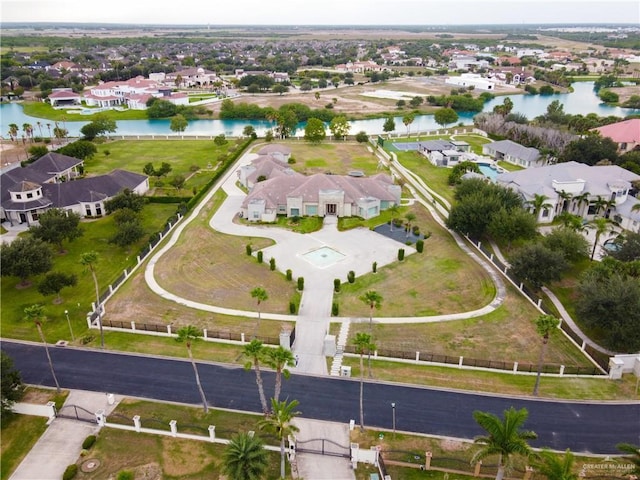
[28, 131]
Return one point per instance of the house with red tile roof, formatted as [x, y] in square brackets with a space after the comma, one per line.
[64, 96]
[626, 134]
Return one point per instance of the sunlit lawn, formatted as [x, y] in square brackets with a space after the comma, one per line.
[46, 111]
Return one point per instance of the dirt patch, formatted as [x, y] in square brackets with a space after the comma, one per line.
[37, 397]
[150, 471]
[452, 445]
[183, 457]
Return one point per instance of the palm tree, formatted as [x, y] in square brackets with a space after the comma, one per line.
[28, 130]
[571, 221]
[189, 334]
[505, 437]
[408, 120]
[49, 128]
[362, 343]
[634, 455]
[36, 313]
[255, 351]
[278, 359]
[539, 203]
[554, 467]
[394, 211]
[279, 422]
[566, 197]
[39, 124]
[260, 294]
[245, 458]
[410, 217]
[89, 259]
[601, 226]
[545, 326]
[13, 131]
[599, 204]
[374, 300]
[583, 198]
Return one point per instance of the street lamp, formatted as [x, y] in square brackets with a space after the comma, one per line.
[393, 416]
[66, 312]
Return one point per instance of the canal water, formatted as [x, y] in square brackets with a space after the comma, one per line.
[582, 100]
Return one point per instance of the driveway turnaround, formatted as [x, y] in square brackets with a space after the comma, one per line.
[581, 426]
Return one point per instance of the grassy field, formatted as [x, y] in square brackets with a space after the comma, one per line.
[196, 160]
[77, 300]
[435, 177]
[46, 111]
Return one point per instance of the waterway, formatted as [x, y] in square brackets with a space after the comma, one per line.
[582, 100]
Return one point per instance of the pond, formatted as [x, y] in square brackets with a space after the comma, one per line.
[582, 100]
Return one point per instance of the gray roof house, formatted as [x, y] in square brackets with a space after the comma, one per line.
[286, 192]
[26, 193]
[514, 153]
[578, 188]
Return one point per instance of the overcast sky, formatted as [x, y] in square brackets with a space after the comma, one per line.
[322, 12]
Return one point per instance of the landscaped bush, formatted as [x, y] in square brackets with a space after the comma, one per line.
[415, 229]
[220, 140]
[248, 249]
[272, 264]
[401, 254]
[351, 276]
[300, 283]
[289, 274]
[335, 309]
[89, 441]
[260, 256]
[125, 475]
[292, 307]
[419, 246]
[70, 472]
[336, 285]
[374, 267]
[87, 339]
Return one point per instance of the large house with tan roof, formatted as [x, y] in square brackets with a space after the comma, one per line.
[133, 93]
[276, 189]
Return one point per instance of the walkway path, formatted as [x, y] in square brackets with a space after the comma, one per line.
[60, 445]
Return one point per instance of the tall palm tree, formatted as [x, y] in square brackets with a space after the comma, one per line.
[245, 458]
[279, 423]
[581, 199]
[545, 326]
[409, 217]
[13, 131]
[566, 197]
[363, 343]
[49, 128]
[28, 130]
[554, 467]
[505, 437]
[408, 120]
[394, 211]
[188, 335]
[255, 352]
[601, 226]
[538, 204]
[278, 359]
[35, 313]
[374, 300]
[634, 455]
[89, 259]
[260, 294]
[39, 124]
[571, 221]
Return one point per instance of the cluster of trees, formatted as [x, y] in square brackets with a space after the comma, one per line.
[159, 108]
[593, 149]
[464, 102]
[126, 208]
[302, 113]
[100, 125]
[315, 131]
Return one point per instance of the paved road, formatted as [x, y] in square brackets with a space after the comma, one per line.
[582, 427]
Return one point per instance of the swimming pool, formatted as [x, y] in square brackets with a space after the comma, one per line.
[487, 171]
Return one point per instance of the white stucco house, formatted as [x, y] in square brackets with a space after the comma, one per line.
[472, 80]
[49, 182]
[276, 189]
[513, 153]
[580, 189]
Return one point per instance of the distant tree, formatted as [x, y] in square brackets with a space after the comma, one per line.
[628, 248]
[280, 89]
[261, 295]
[401, 104]
[389, 125]
[57, 225]
[149, 170]
[339, 127]
[362, 137]
[363, 344]
[101, 124]
[249, 131]
[178, 123]
[24, 258]
[314, 131]
[82, 149]
[607, 96]
[165, 169]
[510, 225]
[570, 243]
[416, 101]
[37, 151]
[445, 116]
[537, 264]
[35, 313]
[89, 260]
[408, 120]
[590, 149]
[54, 282]
[373, 300]
[126, 199]
[178, 182]
[11, 386]
[129, 228]
[159, 108]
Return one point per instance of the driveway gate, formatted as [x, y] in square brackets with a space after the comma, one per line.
[323, 446]
[76, 412]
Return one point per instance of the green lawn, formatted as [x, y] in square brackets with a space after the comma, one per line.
[76, 300]
[436, 178]
[46, 111]
[19, 434]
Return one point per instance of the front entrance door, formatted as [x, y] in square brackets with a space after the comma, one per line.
[331, 209]
[23, 218]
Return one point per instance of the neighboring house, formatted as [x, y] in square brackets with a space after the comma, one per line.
[626, 134]
[360, 67]
[133, 93]
[580, 189]
[27, 192]
[444, 153]
[192, 77]
[471, 80]
[64, 96]
[275, 189]
[513, 153]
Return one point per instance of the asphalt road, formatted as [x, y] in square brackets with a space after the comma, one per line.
[582, 427]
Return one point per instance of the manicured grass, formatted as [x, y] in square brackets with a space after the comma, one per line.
[45, 110]
[435, 177]
[19, 434]
[475, 141]
[155, 456]
[510, 167]
[440, 280]
[577, 388]
[77, 300]
[299, 225]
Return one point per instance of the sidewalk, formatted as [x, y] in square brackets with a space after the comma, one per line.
[60, 445]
